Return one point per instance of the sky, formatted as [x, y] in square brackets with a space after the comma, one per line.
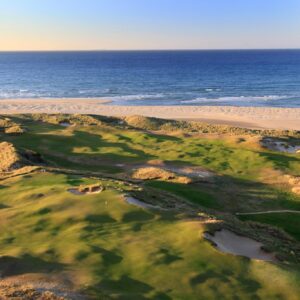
[148, 24]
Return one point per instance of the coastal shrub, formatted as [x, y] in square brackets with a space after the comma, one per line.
[14, 130]
[150, 173]
[156, 124]
[9, 157]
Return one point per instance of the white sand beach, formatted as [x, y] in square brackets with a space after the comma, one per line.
[250, 117]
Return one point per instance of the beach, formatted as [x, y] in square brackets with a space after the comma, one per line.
[248, 117]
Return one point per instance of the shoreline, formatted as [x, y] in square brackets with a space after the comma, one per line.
[247, 117]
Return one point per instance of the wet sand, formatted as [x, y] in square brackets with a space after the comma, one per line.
[248, 117]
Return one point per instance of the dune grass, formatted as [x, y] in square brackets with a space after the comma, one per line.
[98, 147]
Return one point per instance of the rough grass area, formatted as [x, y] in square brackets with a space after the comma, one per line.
[111, 248]
[156, 124]
[289, 222]
[106, 247]
[105, 146]
[9, 157]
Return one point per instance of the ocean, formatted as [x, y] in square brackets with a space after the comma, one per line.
[230, 77]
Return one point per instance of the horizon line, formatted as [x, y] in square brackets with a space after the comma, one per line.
[141, 50]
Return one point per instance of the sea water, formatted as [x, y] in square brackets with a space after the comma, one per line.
[229, 77]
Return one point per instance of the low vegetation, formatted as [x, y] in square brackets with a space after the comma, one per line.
[9, 157]
[64, 214]
[155, 173]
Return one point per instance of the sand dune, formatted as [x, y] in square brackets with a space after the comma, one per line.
[250, 117]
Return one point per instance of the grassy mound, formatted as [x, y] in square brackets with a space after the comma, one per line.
[8, 126]
[154, 173]
[14, 130]
[156, 124]
[5, 122]
[9, 158]
[146, 123]
[76, 119]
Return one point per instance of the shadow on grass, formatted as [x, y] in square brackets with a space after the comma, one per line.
[10, 266]
[138, 216]
[60, 149]
[225, 276]
[189, 192]
[109, 257]
[229, 194]
[100, 219]
[3, 206]
[165, 256]
[126, 287]
[281, 161]
[74, 180]
[288, 222]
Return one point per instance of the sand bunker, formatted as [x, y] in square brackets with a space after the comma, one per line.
[133, 201]
[195, 172]
[190, 171]
[86, 190]
[65, 124]
[229, 242]
[120, 165]
[280, 146]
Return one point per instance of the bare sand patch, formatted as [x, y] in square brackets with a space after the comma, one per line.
[160, 170]
[133, 201]
[246, 117]
[86, 190]
[194, 172]
[65, 124]
[228, 242]
[280, 146]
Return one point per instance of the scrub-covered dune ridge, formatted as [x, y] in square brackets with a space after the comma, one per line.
[98, 207]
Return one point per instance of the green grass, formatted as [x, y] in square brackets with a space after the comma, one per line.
[289, 222]
[100, 148]
[120, 250]
[190, 193]
[130, 253]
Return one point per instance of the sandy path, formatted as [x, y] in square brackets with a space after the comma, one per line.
[250, 117]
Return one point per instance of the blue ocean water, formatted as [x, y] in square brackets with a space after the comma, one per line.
[229, 77]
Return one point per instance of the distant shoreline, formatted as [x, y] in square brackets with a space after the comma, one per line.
[247, 117]
[149, 50]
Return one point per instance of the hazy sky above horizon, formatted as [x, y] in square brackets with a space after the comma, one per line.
[148, 24]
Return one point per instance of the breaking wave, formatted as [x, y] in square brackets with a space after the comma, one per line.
[238, 99]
